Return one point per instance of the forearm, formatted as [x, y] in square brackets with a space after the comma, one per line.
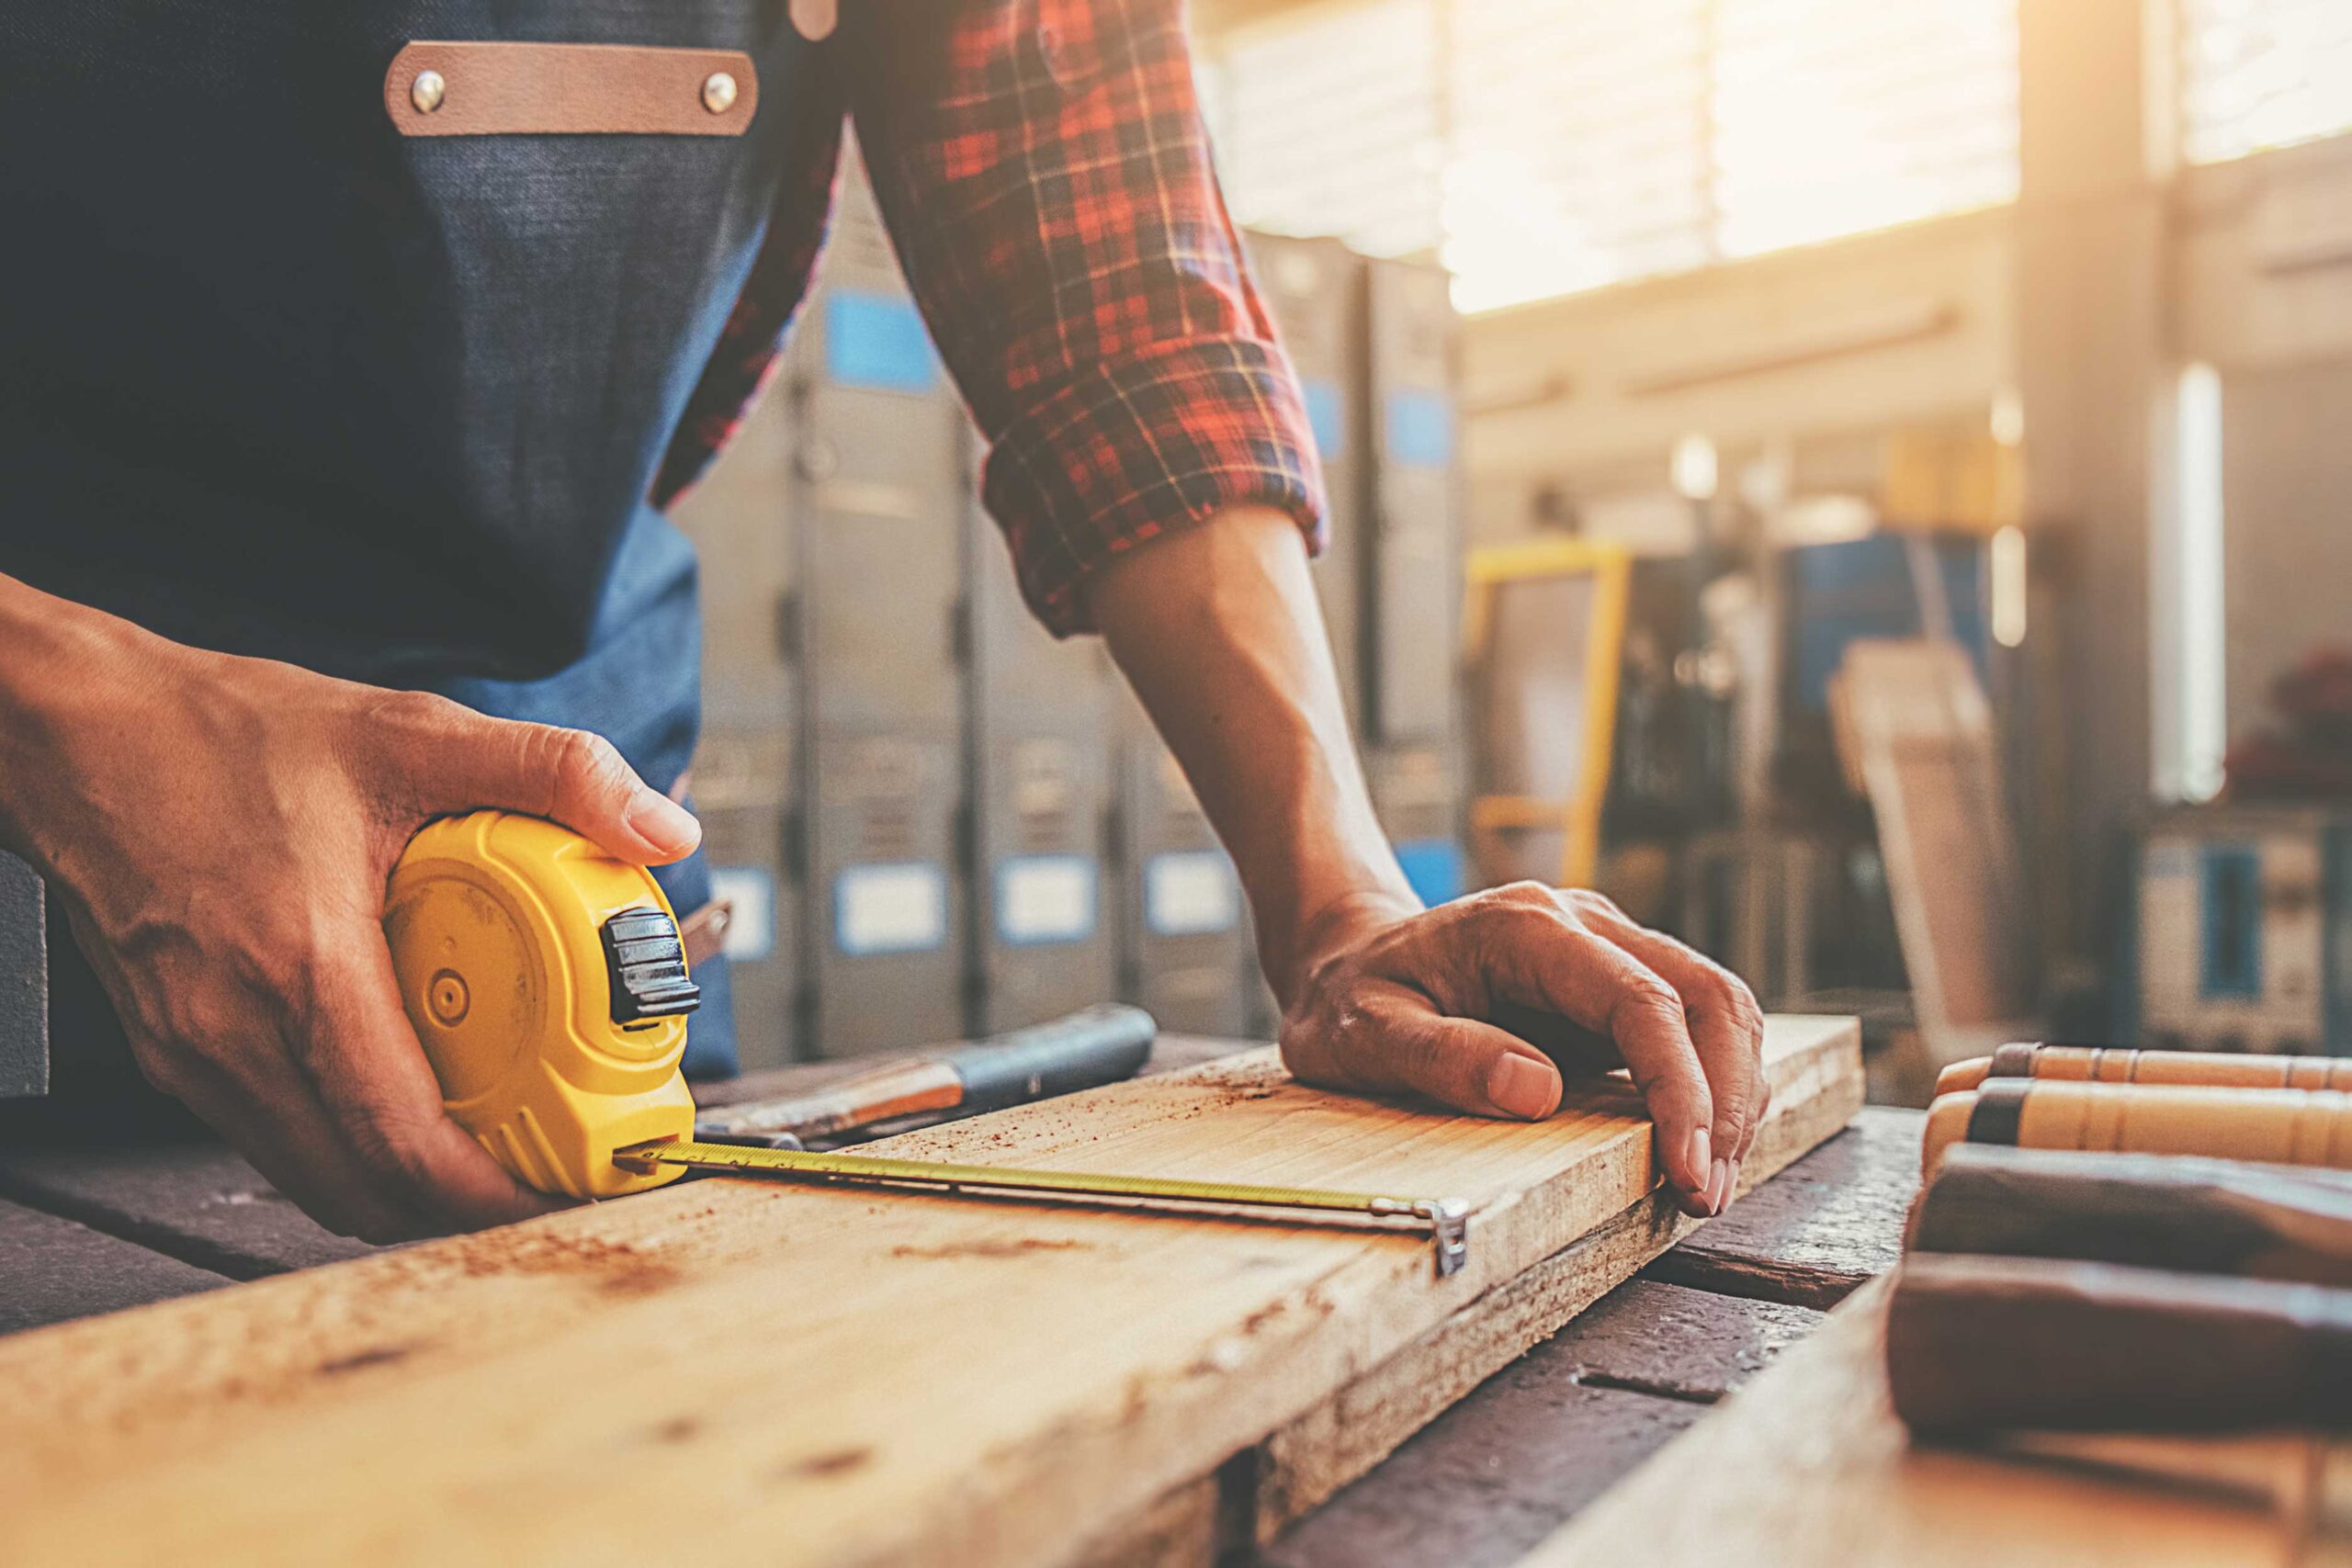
[1218, 629]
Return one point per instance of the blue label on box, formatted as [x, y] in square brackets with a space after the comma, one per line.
[1326, 413]
[877, 340]
[1420, 428]
[1435, 867]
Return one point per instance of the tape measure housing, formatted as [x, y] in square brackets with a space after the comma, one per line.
[497, 924]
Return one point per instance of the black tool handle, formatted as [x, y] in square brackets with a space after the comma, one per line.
[1982, 1343]
[1086, 1049]
[2177, 1212]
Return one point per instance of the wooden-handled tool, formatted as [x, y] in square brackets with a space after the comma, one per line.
[1976, 1343]
[2208, 1216]
[2112, 1064]
[2280, 1126]
[1086, 1049]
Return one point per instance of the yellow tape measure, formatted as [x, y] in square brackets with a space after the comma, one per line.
[548, 984]
[1446, 1218]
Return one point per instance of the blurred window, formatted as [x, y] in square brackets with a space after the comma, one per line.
[1543, 146]
[1327, 122]
[2257, 73]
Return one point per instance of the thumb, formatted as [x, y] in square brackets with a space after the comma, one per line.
[1459, 1061]
[569, 775]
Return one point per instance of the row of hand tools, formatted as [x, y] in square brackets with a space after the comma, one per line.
[2118, 1255]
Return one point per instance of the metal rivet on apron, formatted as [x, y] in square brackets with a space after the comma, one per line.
[718, 91]
[426, 91]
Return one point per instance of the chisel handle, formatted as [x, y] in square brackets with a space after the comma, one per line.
[2115, 1063]
[1981, 1343]
[2276, 1127]
[2205, 1216]
[1094, 1046]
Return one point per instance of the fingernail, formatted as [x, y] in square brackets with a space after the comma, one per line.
[1719, 1186]
[664, 823]
[1518, 1086]
[1731, 1188]
[1698, 1163]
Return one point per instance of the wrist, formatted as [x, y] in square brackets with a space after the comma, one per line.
[1291, 948]
[65, 669]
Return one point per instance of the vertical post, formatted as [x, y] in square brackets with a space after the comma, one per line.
[2093, 374]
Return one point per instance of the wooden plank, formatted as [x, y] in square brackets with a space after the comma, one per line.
[1915, 728]
[1314, 1456]
[196, 1202]
[811, 1375]
[200, 1202]
[1828, 1225]
[1809, 1465]
[56, 1270]
[1675, 1342]
[1547, 1435]
[1498, 1484]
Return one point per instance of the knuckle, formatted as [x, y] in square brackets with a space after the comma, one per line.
[1585, 901]
[584, 763]
[1520, 895]
[1646, 992]
[387, 1145]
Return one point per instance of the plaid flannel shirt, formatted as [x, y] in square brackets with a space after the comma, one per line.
[1043, 170]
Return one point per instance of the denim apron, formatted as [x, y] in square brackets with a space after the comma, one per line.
[278, 380]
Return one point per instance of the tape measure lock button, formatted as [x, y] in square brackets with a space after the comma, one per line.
[647, 962]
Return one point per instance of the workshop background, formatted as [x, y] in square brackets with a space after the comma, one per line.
[1859, 483]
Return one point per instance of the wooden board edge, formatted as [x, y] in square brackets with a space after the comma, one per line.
[1262, 1491]
[1312, 1458]
[1809, 1463]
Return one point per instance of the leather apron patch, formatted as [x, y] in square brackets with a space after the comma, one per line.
[509, 89]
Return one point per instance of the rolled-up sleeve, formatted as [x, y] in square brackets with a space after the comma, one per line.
[1044, 172]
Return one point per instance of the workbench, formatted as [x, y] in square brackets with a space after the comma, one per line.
[87, 1229]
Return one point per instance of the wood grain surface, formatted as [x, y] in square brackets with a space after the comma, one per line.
[810, 1375]
[1808, 1465]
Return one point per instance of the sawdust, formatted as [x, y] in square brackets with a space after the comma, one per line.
[619, 1268]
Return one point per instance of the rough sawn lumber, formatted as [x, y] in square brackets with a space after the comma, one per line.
[810, 1374]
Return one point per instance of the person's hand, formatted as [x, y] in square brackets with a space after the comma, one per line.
[1481, 1004]
[221, 831]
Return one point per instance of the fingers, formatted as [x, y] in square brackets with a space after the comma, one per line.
[458, 759]
[1727, 1030]
[380, 1095]
[273, 1117]
[1547, 961]
[1397, 1041]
